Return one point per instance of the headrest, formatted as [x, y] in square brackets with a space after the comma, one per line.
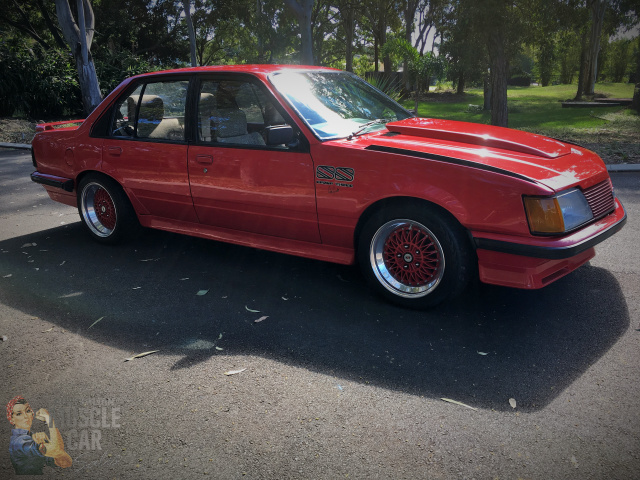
[207, 102]
[229, 122]
[151, 108]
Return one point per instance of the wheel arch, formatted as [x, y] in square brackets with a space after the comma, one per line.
[398, 202]
[85, 173]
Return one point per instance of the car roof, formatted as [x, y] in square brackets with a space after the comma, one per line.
[255, 69]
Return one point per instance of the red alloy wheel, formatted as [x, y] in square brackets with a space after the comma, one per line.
[411, 255]
[98, 209]
[104, 208]
[407, 258]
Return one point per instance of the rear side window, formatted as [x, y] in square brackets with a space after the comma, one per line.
[154, 111]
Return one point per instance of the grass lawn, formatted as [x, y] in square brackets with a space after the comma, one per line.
[612, 131]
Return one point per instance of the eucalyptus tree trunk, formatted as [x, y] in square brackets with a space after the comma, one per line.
[499, 75]
[582, 70]
[192, 34]
[79, 35]
[302, 10]
[598, 8]
[349, 24]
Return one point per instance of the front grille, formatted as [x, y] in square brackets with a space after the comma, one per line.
[600, 199]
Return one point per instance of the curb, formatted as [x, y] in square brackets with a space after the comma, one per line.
[616, 167]
[21, 146]
[625, 167]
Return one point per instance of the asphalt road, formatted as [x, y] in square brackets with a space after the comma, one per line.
[338, 384]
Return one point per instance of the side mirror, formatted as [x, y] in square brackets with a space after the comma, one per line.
[280, 135]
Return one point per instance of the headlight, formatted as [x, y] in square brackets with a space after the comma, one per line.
[558, 214]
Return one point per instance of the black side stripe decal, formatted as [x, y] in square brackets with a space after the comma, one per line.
[442, 158]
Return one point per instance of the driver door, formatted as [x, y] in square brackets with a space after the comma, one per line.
[240, 182]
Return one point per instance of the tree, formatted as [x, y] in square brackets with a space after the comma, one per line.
[463, 46]
[192, 33]
[500, 24]
[379, 17]
[420, 68]
[597, 9]
[79, 35]
[348, 19]
[33, 19]
[303, 10]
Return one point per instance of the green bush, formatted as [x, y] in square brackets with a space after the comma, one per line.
[112, 67]
[522, 80]
[38, 84]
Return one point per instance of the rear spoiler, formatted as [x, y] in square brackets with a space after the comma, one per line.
[42, 127]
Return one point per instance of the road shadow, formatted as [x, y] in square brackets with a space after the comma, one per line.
[492, 344]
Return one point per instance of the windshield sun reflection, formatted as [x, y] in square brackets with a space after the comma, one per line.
[336, 104]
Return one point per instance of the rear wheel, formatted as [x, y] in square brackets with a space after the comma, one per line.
[105, 210]
[415, 256]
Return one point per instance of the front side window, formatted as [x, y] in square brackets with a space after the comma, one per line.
[336, 104]
[154, 111]
[236, 112]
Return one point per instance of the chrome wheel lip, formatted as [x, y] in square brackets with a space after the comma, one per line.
[89, 214]
[384, 276]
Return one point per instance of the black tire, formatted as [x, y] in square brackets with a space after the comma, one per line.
[415, 256]
[105, 210]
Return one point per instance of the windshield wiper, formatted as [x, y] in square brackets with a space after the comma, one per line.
[365, 126]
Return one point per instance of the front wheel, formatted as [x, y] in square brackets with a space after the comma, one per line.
[105, 210]
[414, 256]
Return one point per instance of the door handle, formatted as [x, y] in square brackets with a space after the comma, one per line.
[204, 159]
[115, 151]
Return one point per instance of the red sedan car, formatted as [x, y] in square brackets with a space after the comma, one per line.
[315, 162]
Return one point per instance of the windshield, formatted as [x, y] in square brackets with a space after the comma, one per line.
[336, 104]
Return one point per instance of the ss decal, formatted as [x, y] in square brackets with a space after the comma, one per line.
[338, 176]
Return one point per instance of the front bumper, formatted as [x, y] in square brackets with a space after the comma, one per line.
[537, 262]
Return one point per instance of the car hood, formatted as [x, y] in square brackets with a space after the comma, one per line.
[541, 159]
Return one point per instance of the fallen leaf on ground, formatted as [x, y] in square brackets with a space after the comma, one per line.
[512, 402]
[48, 330]
[70, 295]
[234, 372]
[202, 292]
[574, 461]
[458, 403]
[250, 310]
[261, 319]
[95, 322]
[139, 355]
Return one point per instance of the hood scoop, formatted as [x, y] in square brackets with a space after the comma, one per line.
[481, 135]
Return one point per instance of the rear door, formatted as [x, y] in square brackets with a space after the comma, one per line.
[239, 181]
[146, 149]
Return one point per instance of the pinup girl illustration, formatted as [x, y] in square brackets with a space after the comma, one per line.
[31, 452]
